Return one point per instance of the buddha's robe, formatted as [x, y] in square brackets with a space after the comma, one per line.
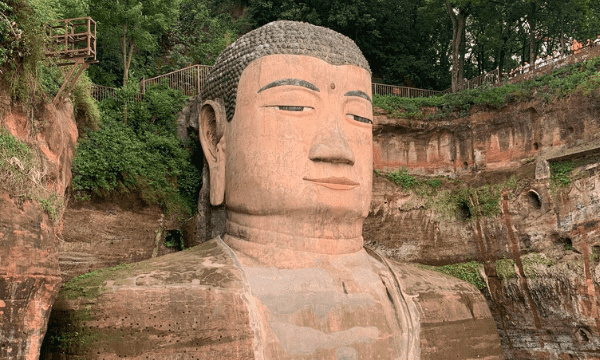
[209, 302]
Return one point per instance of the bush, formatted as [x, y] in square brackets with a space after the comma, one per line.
[401, 177]
[582, 77]
[561, 172]
[143, 155]
[469, 272]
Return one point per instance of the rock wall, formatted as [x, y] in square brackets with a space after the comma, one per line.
[485, 140]
[29, 270]
[540, 253]
[98, 235]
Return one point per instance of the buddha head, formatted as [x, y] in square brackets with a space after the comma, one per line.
[286, 128]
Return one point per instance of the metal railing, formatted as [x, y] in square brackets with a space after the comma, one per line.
[492, 77]
[402, 91]
[100, 92]
[189, 80]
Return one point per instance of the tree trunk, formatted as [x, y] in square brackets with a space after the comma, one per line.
[531, 45]
[125, 68]
[458, 25]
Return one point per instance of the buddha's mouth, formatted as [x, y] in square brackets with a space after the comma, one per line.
[336, 183]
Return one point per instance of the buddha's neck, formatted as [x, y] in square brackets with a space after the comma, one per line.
[294, 233]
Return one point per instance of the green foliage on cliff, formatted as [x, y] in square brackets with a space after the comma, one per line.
[560, 172]
[450, 197]
[142, 156]
[22, 175]
[578, 78]
[469, 272]
[505, 268]
[30, 77]
[401, 177]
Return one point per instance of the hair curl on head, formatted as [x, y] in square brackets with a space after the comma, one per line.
[278, 37]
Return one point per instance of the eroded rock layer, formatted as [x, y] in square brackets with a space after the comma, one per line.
[535, 235]
[29, 270]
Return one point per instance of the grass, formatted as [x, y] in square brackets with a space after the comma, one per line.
[90, 284]
[578, 78]
[23, 175]
[469, 272]
[451, 198]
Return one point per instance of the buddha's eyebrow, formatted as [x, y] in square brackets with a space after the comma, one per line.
[294, 82]
[358, 93]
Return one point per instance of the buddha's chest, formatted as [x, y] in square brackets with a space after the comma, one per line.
[340, 311]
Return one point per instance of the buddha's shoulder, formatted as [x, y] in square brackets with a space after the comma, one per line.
[453, 317]
[185, 305]
[416, 279]
[419, 279]
[206, 266]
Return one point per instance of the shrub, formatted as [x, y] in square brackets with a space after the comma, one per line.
[143, 155]
[22, 175]
[582, 77]
[561, 172]
[401, 177]
[469, 272]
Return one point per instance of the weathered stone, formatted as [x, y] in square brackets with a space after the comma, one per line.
[29, 271]
[29, 277]
[545, 296]
[171, 308]
[100, 234]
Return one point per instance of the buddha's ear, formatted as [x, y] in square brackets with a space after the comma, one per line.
[211, 122]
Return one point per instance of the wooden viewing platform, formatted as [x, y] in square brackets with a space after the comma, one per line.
[73, 42]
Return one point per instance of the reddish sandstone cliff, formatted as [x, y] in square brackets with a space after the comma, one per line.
[29, 271]
[539, 252]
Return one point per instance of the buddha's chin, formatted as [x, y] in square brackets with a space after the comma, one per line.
[318, 213]
[316, 223]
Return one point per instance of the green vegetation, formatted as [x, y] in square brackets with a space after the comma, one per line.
[144, 155]
[563, 172]
[21, 174]
[30, 77]
[582, 77]
[505, 268]
[469, 272]
[449, 197]
[402, 177]
[89, 285]
[533, 263]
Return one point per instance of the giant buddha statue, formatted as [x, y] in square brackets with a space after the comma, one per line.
[286, 128]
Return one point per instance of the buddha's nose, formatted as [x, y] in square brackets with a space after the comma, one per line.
[330, 145]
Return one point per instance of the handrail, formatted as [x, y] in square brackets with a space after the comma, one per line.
[402, 91]
[190, 80]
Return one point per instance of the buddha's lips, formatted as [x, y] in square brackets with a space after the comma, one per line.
[336, 183]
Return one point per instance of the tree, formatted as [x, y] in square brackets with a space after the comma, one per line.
[135, 25]
[204, 28]
[458, 13]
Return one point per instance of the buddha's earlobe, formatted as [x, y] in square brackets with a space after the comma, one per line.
[212, 118]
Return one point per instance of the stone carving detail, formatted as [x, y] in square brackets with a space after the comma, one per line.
[280, 37]
[291, 157]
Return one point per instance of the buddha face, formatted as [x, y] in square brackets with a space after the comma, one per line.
[300, 139]
[300, 142]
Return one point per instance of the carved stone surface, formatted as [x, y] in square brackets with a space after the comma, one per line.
[293, 165]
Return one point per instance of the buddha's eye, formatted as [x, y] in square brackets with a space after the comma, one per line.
[360, 119]
[292, 108]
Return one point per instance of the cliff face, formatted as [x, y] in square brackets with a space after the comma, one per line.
[539, 252]
[30, 215]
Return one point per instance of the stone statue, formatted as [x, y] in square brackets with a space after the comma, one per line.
[286, 128]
